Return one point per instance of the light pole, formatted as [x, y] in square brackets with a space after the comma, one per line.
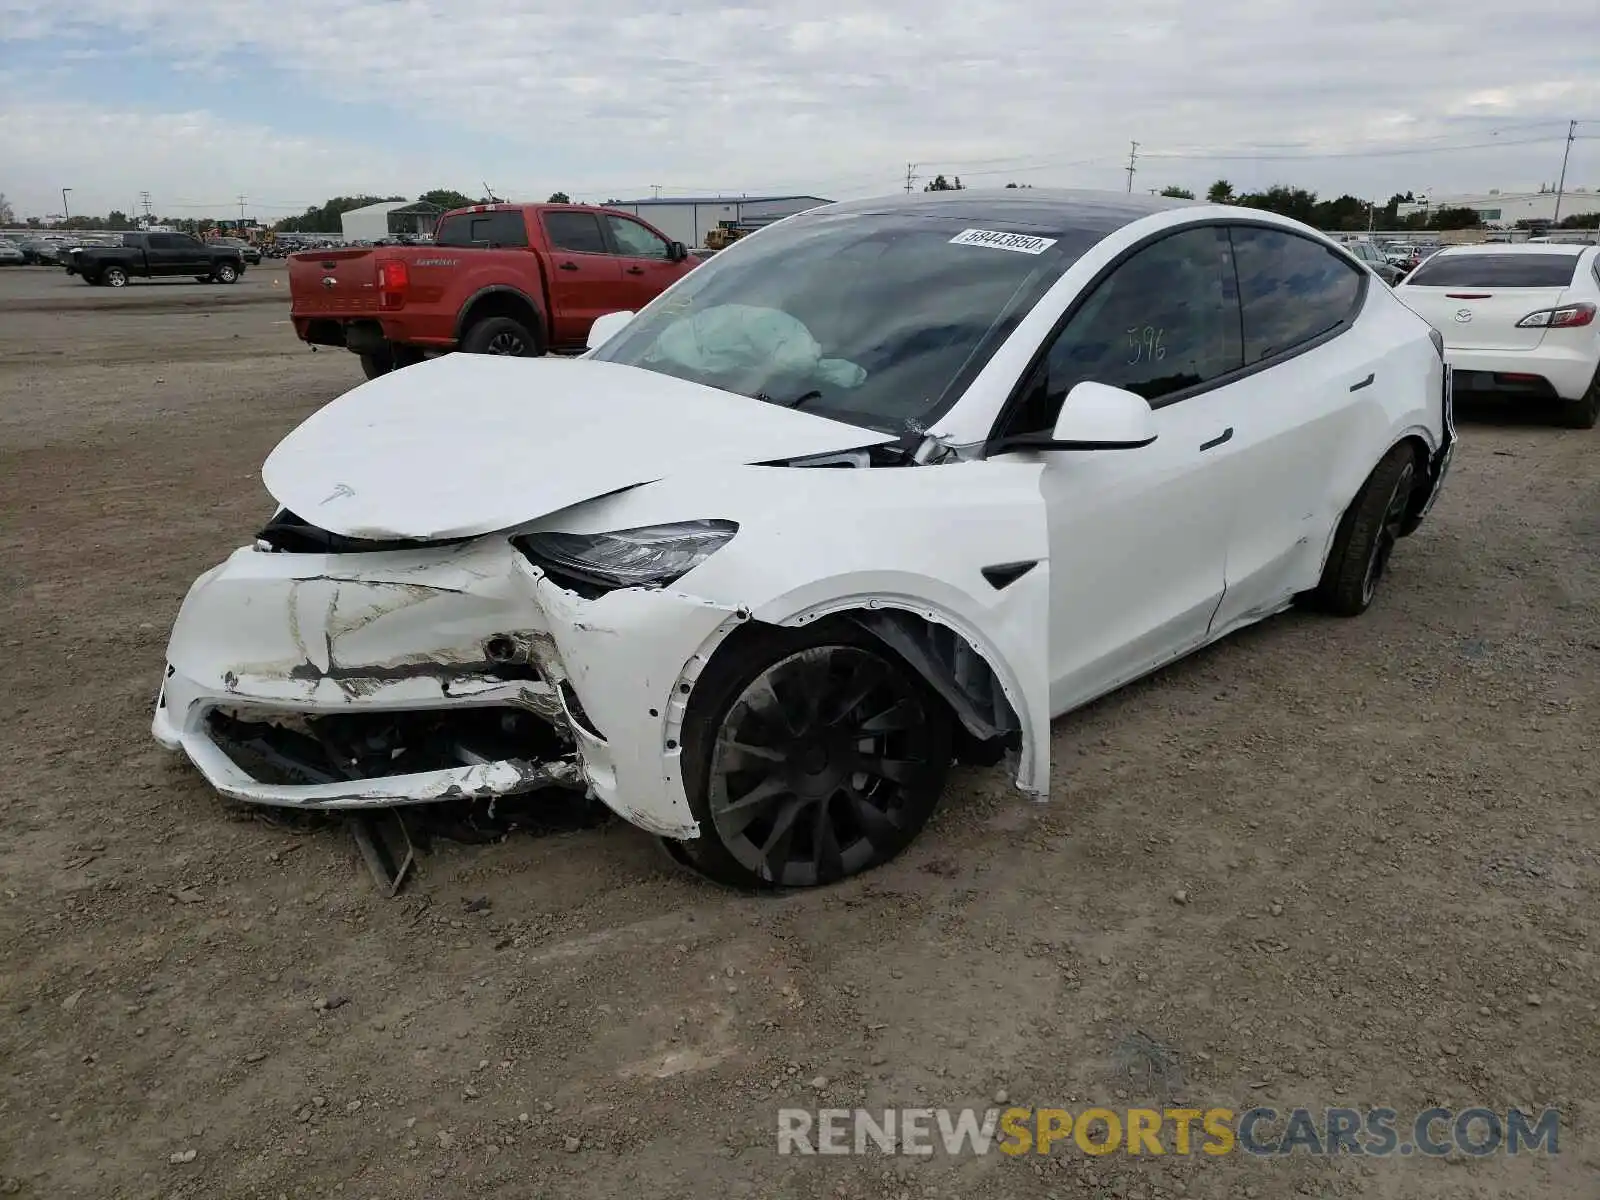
[65, 213]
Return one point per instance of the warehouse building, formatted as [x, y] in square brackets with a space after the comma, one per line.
[395, 218]
[1496, 207]
[688, 219]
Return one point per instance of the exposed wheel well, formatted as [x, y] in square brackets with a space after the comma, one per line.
[503, 304]
[1424, 482]
[986, 723]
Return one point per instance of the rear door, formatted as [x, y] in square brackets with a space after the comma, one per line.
[585, 277]
[1476, 299]
[645, 258]
[164, 255]
[1310, 369]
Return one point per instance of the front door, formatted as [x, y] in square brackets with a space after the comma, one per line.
[1138, 538]
[647, 266]
[585, 277]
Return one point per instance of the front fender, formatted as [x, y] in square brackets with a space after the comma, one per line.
[815, 540]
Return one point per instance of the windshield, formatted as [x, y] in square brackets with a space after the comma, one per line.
[877, 319]
[1496, 270]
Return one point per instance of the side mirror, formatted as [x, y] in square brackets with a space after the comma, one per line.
[1095, 416]
[607, 327]
[677, 252]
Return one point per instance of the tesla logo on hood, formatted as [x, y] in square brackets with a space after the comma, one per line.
[1463, 316]
[340, 491]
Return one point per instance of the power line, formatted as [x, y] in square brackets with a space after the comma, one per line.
[1223, 156]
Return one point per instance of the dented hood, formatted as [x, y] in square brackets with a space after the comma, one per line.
[469, 444]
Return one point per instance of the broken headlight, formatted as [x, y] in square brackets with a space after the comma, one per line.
[651, 556]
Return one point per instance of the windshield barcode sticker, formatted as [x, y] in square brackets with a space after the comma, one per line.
[1022, 243]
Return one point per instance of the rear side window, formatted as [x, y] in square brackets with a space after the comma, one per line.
[1292, 290]
[491, 229]
[575, 231]
[162, 241]
[1496, 270]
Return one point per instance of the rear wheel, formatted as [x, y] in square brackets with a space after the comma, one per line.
[114, 277]
[1367, 536]
[1583, 413]
[501, 335]
[809, 756]
[390, 358]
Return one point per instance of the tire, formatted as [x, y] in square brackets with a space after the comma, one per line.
[1583, 413]
[802, 704]
[392, 358]
[114, 277]
[226, 273]
[501, 335]
[1367, 534]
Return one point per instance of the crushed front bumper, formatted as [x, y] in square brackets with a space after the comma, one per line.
[308, 646]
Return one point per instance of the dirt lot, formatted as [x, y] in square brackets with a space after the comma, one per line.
[1383, 831]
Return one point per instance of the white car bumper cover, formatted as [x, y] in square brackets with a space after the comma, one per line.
[281, 637]
[1568, 370]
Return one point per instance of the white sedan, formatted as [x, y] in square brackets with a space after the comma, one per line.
[884, 485]
[1518, 320]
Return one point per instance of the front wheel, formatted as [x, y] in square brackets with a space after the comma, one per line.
[226, 273]
[809, 756]
[114, 277]
[1367, 535]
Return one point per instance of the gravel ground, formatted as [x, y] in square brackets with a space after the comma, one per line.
[1325, 863]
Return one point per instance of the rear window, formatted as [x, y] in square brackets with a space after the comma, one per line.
[1496, 270]
[491, 229]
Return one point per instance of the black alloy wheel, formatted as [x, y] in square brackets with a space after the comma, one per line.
[823, 762]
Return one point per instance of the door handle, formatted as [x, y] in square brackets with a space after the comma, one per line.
[1224, 436]
[635, 270]
[569, 266]
[1365, 383]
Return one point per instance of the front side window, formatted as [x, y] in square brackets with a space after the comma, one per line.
[634, 240]
[1163, 321]
[1292, 290]
[878, 319]
[578, 232]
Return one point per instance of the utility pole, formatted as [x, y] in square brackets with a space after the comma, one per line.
[655, 190]
[241, 208]
[1133, 157]
[144, 202]
[911, 176]
[65, 215]
[1572, 133]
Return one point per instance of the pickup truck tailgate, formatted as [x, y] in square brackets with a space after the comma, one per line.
[333, 283]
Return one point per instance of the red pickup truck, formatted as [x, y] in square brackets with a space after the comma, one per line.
[518, 279]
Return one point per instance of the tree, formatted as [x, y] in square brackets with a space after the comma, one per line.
[1019, 185]
[1220, 192]
[448, 198]
[7, 214]
[118, 220]
[1453, 218]
[559, 198]
[941, 184]
[1285, 201]
[1177, 193]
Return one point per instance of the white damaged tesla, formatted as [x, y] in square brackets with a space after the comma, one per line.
[882, 486]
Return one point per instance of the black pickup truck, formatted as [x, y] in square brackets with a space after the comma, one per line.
[154, 255]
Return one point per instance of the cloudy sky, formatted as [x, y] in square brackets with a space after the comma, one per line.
[291, 101]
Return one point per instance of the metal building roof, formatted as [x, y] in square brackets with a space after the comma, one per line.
[720, 199]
